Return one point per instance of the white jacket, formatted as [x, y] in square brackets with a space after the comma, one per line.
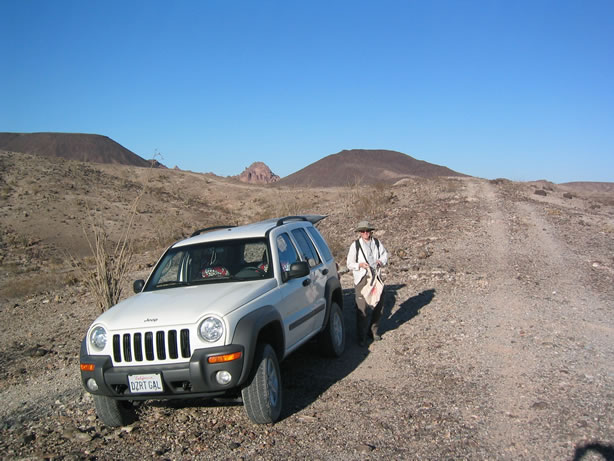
[372, 253]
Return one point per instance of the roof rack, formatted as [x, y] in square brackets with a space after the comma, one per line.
[208, 229]
[312, 218]
[281, 221]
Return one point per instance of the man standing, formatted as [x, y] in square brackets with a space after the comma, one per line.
[366, 252]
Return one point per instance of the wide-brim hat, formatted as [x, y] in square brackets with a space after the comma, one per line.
[364, 226]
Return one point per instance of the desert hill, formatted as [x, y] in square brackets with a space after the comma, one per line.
[74, 146]
[360, 166]
[606, 188]
[498, 325]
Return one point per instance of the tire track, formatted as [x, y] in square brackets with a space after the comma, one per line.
[510, 366]
[546, 336]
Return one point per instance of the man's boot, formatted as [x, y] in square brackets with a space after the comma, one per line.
[375, 318]
[374, 333]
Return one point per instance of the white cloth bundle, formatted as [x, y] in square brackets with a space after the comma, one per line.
[374, 288]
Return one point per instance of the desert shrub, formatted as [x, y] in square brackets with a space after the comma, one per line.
[337, 245]
[363, 201]
[111, 259]
[6, 191]
[111, 262]
[452, 186]
[166, 231]
[31, 285]
[607, 228]
[287, 204]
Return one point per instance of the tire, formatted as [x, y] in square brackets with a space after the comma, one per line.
[332, 339]
[114, 413]
[262, 395]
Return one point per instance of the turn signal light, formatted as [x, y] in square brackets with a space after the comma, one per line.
[87, 367]
[225, 357]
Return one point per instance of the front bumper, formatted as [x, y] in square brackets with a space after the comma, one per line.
[195, 378]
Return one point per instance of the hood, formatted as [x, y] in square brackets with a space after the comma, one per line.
[182, 305]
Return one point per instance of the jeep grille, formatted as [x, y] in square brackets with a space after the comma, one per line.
[150, 346]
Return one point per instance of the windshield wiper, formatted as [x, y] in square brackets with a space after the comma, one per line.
[171, 283]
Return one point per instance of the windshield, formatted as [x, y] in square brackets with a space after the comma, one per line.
[213, 262]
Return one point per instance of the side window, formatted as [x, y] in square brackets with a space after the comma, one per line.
[320, 243]
[287, 253]
[307, 249]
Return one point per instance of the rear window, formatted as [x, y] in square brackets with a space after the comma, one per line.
[307, 249]
[320, 243]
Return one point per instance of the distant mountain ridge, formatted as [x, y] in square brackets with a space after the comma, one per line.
[357, 166]
[365, 167]
[75, 146]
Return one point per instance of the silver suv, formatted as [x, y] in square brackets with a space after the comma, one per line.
[217, 314]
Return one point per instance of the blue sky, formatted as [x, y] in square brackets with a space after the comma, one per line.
[514, 89]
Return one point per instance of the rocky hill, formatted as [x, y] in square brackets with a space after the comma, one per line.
[498, 325]
[360, 166]
[74, 146]
[257, 173]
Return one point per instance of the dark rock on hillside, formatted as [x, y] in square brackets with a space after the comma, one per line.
[257, 173]
[154, 163]
[361, 166]
[74, 146]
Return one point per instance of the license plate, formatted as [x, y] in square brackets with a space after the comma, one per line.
[145, 383]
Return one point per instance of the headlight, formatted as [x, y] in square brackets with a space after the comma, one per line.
[211, 329]
[98, 338]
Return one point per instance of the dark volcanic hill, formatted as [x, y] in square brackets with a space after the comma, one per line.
[75, 146]
[364, 167]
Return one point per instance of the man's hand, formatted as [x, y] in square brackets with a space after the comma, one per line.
[363, 265]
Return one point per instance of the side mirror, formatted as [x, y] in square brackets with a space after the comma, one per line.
[298, 269]
[138, 285]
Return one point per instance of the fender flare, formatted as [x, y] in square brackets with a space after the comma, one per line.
[263, 322]
[333, 288]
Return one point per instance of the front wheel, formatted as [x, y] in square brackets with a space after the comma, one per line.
[114, 413]
[332, 339]
[262, 395]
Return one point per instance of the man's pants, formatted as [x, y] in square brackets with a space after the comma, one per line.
[362, 312]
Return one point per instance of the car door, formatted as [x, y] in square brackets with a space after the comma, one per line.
[294, 305]
[318, 272]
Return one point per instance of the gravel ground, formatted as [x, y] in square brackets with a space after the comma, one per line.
[498, 343]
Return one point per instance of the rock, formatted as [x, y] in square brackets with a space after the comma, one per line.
[366, 448]
[539, 405]
[37, 351]
[75, 435]
[258, 173]
[540, 192]
[424, 253]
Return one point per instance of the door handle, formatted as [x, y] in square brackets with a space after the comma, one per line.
[306, 282]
